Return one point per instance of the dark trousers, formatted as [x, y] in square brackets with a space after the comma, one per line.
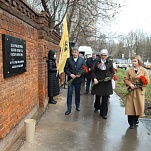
[88, 85]
[132, 119]
[97, 102]
[51, 98]
[103, 106]
[77, 87]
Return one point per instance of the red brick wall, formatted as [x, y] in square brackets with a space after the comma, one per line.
[21, 93]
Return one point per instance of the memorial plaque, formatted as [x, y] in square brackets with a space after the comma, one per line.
[14, 55]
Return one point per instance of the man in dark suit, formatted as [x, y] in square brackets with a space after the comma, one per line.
[73, 68]
[90, 61]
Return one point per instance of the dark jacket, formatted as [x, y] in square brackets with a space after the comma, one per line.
[90, 62]
[103, 88]
[72, 67]
[53, 81]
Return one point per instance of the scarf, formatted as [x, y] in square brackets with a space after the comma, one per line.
[102, 65]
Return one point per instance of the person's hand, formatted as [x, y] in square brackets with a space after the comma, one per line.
[96, 81]
[89, 69]
[106, 79]
[72, 76]
[78, 75]
[132, 86]
[138, 86]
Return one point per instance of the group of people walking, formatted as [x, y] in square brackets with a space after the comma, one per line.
[101, 71]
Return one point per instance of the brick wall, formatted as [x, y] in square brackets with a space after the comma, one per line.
[21, 93]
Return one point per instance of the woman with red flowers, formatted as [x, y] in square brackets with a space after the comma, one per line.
[102, 74]
[136, 78]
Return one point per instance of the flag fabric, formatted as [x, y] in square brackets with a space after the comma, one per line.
[64, 44]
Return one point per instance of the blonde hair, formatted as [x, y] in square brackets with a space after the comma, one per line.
[140, 62]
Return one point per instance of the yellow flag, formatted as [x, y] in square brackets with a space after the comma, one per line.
[64, 44]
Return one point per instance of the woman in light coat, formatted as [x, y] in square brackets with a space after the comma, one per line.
[135, 100]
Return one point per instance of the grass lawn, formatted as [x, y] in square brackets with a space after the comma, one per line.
[120, 88]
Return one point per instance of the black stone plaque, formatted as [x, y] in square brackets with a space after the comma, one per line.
[14, 55]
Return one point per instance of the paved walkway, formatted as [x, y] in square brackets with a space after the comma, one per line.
[86, 130]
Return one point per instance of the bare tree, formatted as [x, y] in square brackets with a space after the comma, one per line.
[135, 42]
[88, 12]
[82, 16]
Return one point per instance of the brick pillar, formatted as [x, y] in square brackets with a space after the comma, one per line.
[42, 57]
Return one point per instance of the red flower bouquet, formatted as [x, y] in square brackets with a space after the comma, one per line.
[115, 70]
[142, 81]
[114, 77]
[84, 69]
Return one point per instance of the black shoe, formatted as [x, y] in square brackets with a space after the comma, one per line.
[104, 117]
[67, 112]
[132, 126]
[86, 92]
[137, 122]
[52, 102]
[78, 109]
[95, 110]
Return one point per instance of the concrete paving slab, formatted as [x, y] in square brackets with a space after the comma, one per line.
[147, 123]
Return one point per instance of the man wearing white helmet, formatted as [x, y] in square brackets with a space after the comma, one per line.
[102, 74]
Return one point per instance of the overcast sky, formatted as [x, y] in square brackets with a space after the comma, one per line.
[135, 15]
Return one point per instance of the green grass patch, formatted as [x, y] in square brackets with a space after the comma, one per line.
[120, 88]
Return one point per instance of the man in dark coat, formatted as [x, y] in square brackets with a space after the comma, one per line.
[73, 68]
[90, 61]
[53, 81]
[102, 74]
